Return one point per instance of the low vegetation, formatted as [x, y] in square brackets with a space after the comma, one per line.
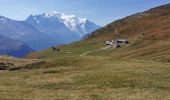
[89, 78]
[84, 71]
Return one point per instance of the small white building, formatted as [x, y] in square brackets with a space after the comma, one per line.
[117, 43]
[109, 43]
[122, 41]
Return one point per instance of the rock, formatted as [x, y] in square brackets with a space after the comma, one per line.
[3, 66]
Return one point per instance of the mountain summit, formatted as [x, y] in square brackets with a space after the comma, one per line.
[60, 23]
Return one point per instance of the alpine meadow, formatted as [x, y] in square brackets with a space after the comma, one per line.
[65, 57]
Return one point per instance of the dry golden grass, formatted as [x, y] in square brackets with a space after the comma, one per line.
[128, 73]
[89, 78]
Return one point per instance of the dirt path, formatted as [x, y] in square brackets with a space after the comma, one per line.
[94, 51]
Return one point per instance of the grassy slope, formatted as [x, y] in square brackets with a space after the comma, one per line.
[153, 45]
[111, 74]
[16, 62]
[74, 49]
[89, 78]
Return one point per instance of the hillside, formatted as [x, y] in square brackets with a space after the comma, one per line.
[13, 47]
[148, 33]
[90, 70]
[87, 78]
[154, 23]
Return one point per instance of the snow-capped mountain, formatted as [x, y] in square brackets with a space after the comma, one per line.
[46, 30]
[60, 22]
[20, 30]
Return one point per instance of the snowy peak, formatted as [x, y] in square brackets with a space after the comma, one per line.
[71, 22]
[3, 19]
[57, 15]
[53, 14]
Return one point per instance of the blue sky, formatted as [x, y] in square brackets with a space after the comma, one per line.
[101, 12]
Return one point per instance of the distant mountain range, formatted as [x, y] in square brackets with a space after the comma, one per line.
[45, 30]
[55, 23]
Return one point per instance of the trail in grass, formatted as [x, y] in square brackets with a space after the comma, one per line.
[94, 51]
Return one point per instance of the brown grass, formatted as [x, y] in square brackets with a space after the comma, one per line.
[89, 78]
